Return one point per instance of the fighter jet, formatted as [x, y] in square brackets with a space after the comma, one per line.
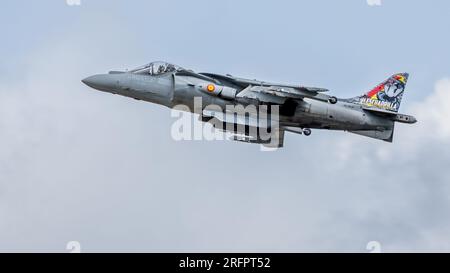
[298, 109]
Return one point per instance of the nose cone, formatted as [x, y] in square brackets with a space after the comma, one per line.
[103, 82]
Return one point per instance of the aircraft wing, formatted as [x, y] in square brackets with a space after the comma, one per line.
[277, 94]
[246, 82]
[271, 92]
[300, 93]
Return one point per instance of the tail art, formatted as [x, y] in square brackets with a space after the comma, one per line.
[387, 95]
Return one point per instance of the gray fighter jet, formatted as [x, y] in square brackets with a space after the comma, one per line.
[289, 108]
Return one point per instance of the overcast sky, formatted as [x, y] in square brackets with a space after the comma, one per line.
[87, 166]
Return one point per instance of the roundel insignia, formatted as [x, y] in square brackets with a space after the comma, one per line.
[210, 87]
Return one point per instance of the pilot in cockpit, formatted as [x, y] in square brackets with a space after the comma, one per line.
[161, 69]
[156, 68]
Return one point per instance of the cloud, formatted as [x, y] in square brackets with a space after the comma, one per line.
[435, 111]
[74, 165]
[101, 169]
[409, 178]
[81, 165]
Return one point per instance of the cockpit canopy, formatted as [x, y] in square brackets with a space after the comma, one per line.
[157, 68]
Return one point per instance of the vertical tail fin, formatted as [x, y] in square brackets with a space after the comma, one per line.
[387, 95]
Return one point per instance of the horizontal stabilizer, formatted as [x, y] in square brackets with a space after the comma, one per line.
[392, 115]
[386, 135]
